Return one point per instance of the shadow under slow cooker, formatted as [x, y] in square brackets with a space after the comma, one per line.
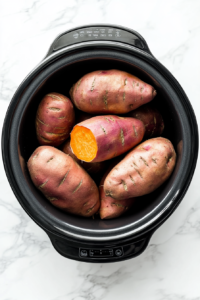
[61, 81]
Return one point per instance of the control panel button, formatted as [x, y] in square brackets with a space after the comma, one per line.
[83, 252]
[75, 35]
[118, 252]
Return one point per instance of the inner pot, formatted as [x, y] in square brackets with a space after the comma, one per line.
[58, 74]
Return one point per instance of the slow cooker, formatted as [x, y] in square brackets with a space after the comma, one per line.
[71, 55]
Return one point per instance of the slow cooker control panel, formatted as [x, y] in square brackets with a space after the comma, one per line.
[98, 253]
[98, 33]
[94, 252]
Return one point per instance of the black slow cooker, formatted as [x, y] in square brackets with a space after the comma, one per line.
[73, 54]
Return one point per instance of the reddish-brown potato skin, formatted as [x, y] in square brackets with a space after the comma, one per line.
[110, 92]
[152, 119]
[109, 207]
[63, 182]
[54, 119]
[142, 170]
[91, 168]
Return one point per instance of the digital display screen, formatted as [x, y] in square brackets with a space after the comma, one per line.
[101, 252]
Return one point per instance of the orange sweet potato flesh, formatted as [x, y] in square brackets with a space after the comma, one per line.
[110, 92]
[54, 119]
[83, 143]
[111, 208]
[63, 182]
[91, 168]
[152, 119]
[104, 137]
[142, 170]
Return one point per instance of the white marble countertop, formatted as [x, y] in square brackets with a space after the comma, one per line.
[30, 268]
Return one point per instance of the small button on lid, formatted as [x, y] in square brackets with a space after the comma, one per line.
[118, 252]
[83, 252]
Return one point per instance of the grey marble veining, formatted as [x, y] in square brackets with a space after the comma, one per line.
[30, 268]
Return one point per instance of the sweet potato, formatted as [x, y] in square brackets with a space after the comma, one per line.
[152, 119]
[63, 182]
[109, 207]
[104, 137]
[142, 170]
[91, 168]
[54, 119]
[110, 92]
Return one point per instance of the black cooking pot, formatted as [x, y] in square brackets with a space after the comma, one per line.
[73, 54]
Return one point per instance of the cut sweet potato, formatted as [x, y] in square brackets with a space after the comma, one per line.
[104, 137]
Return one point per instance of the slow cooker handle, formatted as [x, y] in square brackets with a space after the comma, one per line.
[94, 252]
[96, 32]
